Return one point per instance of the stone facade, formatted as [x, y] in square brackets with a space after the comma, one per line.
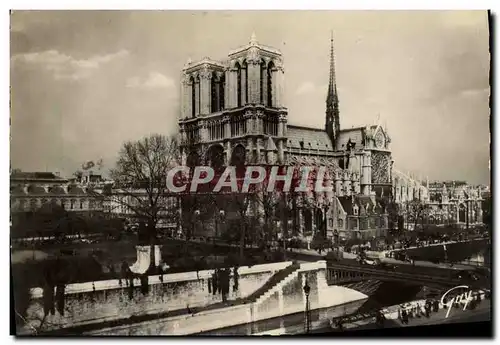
[121, 204]
[234, 112]
[30, 191]
[455, 203]
[445, 202]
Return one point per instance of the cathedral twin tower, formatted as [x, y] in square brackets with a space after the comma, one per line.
[234, 108]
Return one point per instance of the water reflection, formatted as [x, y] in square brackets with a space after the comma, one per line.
[453, 252]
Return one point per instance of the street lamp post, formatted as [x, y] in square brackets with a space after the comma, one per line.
[195, 220]
[220, 217]
[307, 290]
[467, 215]
[336, 241]
[286, 222]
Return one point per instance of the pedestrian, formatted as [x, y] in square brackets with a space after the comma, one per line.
[340, 326]
[404, 317]
[378, 320]
[215, 282]
[436, 306]
[427, 309]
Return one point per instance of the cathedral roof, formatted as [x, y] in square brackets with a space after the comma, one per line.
[306, 138]
[330, 163]
[401, 178]
[356, 135]
[346, 203]
[270, 145]
[254, 43]
[363, 202]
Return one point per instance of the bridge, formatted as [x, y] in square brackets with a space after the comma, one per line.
[364, 278]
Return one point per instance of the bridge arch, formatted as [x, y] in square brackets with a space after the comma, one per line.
[351, 274]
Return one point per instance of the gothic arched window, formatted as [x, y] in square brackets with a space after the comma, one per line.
[244, 88]
[263, 82]
[193, 97]
[238, 82]
[270, 85]
[198, 89]
[222, 85]
[214, 93]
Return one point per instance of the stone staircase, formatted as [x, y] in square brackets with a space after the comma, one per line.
[276, 282]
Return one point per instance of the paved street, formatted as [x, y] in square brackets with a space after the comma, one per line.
[481, 313]
[351, 256]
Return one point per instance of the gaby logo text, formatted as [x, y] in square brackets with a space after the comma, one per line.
[465, 297]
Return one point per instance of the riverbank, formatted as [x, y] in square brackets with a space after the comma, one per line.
[432, 256]
[482, 312]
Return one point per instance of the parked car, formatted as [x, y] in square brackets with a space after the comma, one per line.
[333, 256]
[466, 275]
[363, 260]
[387, 266]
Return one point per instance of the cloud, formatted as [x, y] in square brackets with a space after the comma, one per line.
[154, 80]
[305, 88]
[475, 92]
[66, 67]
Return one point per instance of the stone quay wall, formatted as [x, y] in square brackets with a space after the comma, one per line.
[100, 301]
[286, 298]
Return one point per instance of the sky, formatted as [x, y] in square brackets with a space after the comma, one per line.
[83, 82]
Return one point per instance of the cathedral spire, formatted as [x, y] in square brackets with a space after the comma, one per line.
[332, 125]
[332, 85]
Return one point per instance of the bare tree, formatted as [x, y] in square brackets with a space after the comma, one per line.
[268, 202]
[242, 202]
[416, 210]
[140, 175]
[394, 213]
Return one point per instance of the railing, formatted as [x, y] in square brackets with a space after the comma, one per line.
[380, 274]
[363, 273]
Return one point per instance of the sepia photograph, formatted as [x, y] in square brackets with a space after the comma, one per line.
[250, 173]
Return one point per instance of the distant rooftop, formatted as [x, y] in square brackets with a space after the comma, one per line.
[21, 175]
[451, 183]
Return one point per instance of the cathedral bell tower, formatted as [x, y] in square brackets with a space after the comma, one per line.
[332, 124]
[233, 111]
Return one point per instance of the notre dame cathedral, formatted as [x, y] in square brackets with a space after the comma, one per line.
[233, 113]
